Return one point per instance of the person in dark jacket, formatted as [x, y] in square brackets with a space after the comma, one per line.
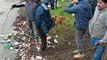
[52, 4]
[93, 4]
[29, 6]
[82, 11]
[43, 21]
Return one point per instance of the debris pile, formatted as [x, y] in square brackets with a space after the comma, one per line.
[25, 44]
[26, 47]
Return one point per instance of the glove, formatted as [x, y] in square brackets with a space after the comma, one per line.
[13, 6]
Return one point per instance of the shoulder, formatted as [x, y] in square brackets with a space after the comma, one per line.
[44, 6]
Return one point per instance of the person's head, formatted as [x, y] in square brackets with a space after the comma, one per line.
[75, 1]
[102, 4]
[37, 1]
[30, 0]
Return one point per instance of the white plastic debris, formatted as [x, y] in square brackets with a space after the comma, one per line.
[49, 42]
[69, 43]
[24, 22]
[73, 14]
[5, 38]
[49, 37]
[53, 46]
[23, 44]
[11, 48]
[32, 58]
[8, 40]
[22, 32]
[24, 38]
[38, 47]
[56, 36]
[48, 46]
[15, 32]
[55, 41]
[39, 57]
[16, 43]
[12, 51]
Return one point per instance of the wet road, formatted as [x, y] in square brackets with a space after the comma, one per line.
[5, 27]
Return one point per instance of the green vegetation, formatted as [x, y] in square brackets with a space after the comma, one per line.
[60, 12]
[63, 30]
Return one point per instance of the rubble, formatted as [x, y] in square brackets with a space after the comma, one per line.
[25, 45]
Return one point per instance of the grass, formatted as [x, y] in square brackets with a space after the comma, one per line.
[60, 12]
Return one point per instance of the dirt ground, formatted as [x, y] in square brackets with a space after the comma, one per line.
[63, 51]
[66, 44]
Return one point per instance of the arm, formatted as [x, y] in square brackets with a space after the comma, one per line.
[104, 39]
[71, 8]
[38, 15]
[15, 6]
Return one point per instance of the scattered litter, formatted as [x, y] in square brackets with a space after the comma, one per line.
[53, 46]
[6, 46]
[73, 14]
[49, 37]
[24, 22]
[16, 43]
[49, 42]
[5, 41]
[55, 41]
[48, 46]
[69, 43]
[38, 47]
[39, 57]
[32, 58]
[56, 36]
[11, 48]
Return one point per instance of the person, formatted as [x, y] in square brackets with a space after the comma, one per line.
[29, 6]
[52, 4]
[98, 28]
[55, 4]
[45, 2]
[82, 11]
[93, 4]
[43, 21]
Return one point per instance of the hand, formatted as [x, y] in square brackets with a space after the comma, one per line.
[100, 42]
[13, 6]
[74, 1]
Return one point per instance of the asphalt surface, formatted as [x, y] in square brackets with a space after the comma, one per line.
[6, 20]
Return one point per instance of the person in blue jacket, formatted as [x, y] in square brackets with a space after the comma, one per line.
[93, 4]
[82, 11]
[43, 21]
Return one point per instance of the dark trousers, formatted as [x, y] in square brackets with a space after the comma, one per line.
[43, 38]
